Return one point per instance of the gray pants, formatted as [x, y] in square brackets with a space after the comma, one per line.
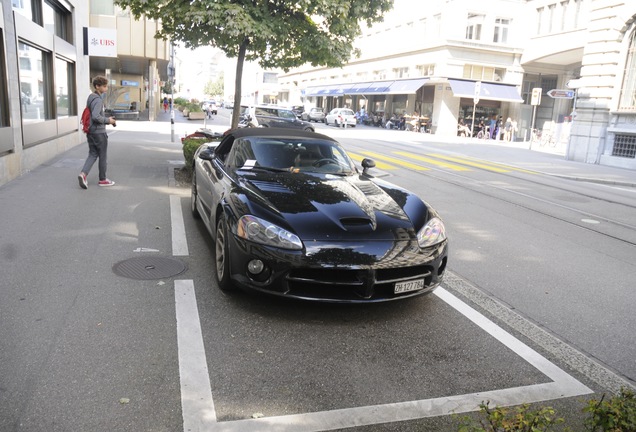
[97, 149]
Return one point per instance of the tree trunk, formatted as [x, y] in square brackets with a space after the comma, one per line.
[237, 83]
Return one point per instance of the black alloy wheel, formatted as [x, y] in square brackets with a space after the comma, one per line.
[221, 256]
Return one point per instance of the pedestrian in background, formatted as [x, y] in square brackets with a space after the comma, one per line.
[508, 130]
[493, 127]
[165, 104]
[96, 136]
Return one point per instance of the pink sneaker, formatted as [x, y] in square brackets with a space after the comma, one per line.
[82, 181]
[106, 182]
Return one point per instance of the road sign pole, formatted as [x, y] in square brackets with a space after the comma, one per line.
[475, 102]
[534, 113]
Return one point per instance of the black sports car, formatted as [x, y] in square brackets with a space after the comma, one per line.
[291, 215]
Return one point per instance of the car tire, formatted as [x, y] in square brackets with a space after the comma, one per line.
[194, 196]
[309, 129]
[221, 255]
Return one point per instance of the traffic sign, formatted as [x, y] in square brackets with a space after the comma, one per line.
[536, 96]
[561, 94]
[477, 92]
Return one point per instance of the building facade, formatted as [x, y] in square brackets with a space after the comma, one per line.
[45, 74]
[453, 58]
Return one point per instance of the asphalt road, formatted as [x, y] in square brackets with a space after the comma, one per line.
[535, 308]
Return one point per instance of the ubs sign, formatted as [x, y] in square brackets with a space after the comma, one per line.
[100, 42]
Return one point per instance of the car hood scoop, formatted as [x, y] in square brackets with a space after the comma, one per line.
[330, 206]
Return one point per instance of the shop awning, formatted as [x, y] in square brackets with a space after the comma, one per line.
[378, 87]
[367, 88]
[406, 86]
[489, 91]
[359, 88]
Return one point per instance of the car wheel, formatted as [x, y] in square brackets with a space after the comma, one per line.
[194, 196]
[221, 256]
[309, 129]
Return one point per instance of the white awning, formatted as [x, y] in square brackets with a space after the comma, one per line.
[489, 91]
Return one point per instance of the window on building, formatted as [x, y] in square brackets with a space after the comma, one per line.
[473, 28]
[64, 88]
[483, 73]
[270, 78]
[401, 72]
[550, 17]
[102, 7]
[577, 12]
[437, 25]
[627, 99]
[379, 74]
[35, 85]
[4, 97]
[426, 70]
[23, 7]
[54, 15]
[501, 30]
[539, 20]
[564, 8]
[56, 18]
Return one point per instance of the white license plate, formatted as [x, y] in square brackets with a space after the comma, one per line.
[407, 286]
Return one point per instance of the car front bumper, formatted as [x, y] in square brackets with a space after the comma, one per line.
[357, 273]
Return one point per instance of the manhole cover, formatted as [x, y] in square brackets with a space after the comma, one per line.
[145, 268]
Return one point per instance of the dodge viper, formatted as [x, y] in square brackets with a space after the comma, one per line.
[290, 214]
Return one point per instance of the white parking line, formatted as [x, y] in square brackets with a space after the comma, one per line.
[196, 394]
[179, 241]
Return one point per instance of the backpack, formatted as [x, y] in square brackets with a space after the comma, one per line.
[85, 120]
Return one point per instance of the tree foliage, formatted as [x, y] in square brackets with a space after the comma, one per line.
[276, 33]
[215, 88]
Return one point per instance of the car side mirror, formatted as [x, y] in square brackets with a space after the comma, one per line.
[366, 164]
[206, 154]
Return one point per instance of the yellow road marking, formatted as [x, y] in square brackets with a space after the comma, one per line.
[376, 156]
[433, 161]
[510, 167]
[470, 163]
[378, 164]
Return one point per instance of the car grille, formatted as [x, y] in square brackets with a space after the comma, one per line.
[354, 285]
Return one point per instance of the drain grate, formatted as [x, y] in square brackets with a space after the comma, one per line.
[145, 268]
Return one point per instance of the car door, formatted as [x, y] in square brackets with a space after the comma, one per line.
[287, 119]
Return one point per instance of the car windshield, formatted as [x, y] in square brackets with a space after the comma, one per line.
[290, 154]
[346, 112]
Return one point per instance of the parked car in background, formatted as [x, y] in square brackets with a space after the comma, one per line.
[291, 215]
[229, 105]
[315, 114]
[297, 110]
[273, 116]
[341, 117]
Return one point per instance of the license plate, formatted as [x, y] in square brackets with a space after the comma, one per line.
[407, 286]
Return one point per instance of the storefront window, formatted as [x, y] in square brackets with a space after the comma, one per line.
[64, 78]
[33, 84]
[4, 97]
[628, 89]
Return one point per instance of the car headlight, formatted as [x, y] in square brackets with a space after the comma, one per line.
[432, 233]
[260, 231]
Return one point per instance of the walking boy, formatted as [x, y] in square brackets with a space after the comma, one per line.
[96, 136]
